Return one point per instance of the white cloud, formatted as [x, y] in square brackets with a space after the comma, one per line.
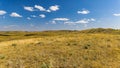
[33, 16]
[42, 15]
[82, 21]
[54, 8]
[55, 20]
[29, 8]
[40, 8]
[83, 12]
[92, 19]
[9, 26]
[117, 14]
[69, 23]
[48, 10]
[2, 12]
[14, 14]
[28, 18]
[60, 19]
[51, 8]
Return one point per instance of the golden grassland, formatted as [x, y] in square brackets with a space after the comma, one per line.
[60, 49]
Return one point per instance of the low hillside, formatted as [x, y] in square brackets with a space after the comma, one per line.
[102, 30]
[14, 35]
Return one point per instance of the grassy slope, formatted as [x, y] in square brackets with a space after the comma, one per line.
[60, 49]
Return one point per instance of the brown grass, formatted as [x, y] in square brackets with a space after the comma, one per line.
[73, 50]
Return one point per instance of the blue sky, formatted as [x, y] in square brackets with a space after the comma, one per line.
[39, 15]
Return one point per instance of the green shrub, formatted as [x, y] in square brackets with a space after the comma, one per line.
[2, 56]
[44, 65]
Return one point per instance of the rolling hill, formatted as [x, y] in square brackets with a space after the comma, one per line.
[92, 48]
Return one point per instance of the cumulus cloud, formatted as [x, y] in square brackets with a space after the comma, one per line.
[42, 15]
[29, 8]
[54, 8]
[33, 16]
[40, 8]
[48, 10]
[82, 21]
[83, 12]
[28, 18]
[60, 19]
[117, 14]
[14, 14]
[92, 19]
[53, 22]
[2, 12]
[70, 23]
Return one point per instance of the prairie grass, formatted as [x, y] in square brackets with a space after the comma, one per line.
[62, 50]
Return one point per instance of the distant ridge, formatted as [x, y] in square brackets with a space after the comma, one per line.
[93, 30]
[101, 30]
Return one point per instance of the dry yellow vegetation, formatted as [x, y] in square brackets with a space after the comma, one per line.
[64, 50]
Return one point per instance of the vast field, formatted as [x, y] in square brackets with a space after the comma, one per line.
[92, 48]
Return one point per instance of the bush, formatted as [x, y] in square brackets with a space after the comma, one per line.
[2, 56]
[14, 45]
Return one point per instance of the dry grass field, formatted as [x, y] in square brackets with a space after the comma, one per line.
[95, 48]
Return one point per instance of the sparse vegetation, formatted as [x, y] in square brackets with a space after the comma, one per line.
[93, 48]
